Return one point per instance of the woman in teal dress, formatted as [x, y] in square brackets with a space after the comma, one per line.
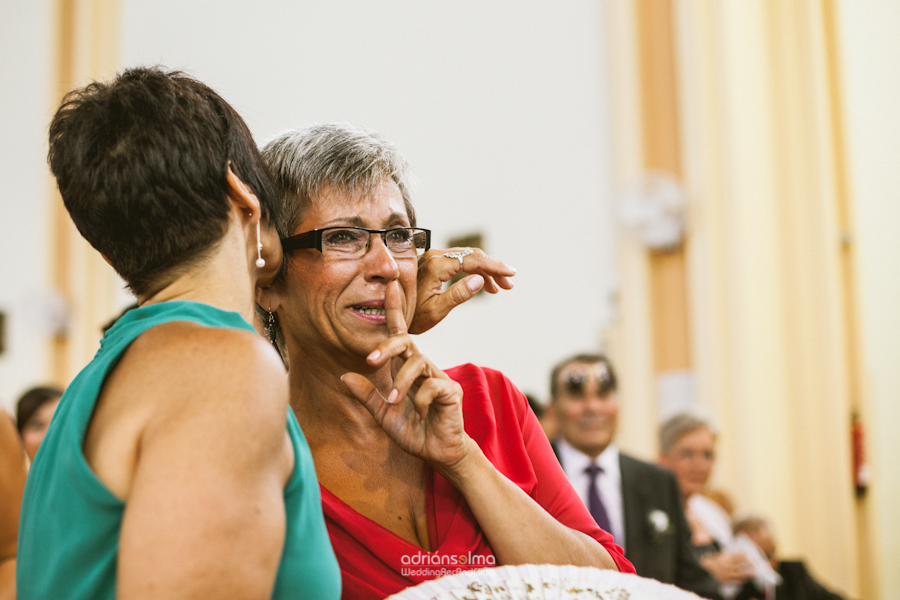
[173, 468]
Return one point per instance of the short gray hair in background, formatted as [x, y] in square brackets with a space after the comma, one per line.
[677, 426]
[306, 160]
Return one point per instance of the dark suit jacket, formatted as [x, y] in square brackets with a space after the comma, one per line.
[663, 555]
[796, 584]
[662, 551]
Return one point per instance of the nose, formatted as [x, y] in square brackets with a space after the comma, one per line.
[593, 402]
[379, 262]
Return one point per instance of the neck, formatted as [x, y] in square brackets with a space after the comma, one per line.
[224, 279]
[324, 406]
[592, 452]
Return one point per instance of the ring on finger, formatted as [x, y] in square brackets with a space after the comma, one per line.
[459, 255]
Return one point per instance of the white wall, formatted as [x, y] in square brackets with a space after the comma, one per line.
[26, 44]
[500, 106]
[871, 53]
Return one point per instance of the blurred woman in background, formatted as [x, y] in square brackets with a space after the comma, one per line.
[687, 447]
[33, 413]
[13, 467]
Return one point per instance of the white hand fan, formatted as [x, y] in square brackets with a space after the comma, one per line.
[543, 582]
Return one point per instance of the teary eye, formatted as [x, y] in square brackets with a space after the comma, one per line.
[399, 236]
[343, 237]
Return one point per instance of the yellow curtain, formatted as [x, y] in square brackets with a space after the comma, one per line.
[769, 310]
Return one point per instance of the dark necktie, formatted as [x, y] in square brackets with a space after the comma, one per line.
[595, 504]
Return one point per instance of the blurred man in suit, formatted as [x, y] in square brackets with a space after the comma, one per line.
[639, 503]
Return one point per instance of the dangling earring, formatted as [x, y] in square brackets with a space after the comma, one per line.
[271, 329]
[260, 261]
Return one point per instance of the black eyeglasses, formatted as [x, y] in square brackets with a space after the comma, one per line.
[575, 380]
[354, 242]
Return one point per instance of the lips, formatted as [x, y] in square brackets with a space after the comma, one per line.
[372, 311]
[368, 310]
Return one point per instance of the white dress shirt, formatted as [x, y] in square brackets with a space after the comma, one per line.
[713, 518]
[609, 482]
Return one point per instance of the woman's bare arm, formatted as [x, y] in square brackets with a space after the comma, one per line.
[204, 514]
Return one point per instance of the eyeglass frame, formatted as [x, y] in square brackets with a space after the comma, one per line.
[312, 239]
[574, 380]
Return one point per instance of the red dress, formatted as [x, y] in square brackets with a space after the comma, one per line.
[376, 563]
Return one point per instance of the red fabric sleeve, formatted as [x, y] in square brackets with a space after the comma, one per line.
[376, 563]
[498, 417]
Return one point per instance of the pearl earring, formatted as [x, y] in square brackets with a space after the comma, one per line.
[260, 261]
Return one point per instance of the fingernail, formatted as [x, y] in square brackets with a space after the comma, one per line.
[514, 270]
[375, 355]
[475, 282]
[392, 397]
[342, 377]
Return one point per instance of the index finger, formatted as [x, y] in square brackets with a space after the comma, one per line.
[393, 310]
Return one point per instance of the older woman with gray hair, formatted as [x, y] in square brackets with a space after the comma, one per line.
[422, 472]
[687, 447]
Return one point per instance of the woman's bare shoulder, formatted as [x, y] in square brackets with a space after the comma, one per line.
[179, 382]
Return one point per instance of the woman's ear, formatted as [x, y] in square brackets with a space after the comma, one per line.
[240, 195]
[268, 298]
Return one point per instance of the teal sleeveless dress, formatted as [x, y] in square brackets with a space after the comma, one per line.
[70, 521]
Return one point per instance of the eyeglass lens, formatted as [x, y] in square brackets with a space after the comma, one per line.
[575, 380]
[403, 241]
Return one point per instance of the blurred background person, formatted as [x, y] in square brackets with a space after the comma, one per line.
[34, 410]
[687, 447]
[637, 501]
[13, 467]
[797, 583]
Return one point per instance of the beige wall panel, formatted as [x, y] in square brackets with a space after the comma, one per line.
[869, 52]
[700, 112]
[631, 336]
[754, 429]
[88, 51]
[818, 399]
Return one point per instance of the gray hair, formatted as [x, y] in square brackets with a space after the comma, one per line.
[677, 426]
[307, 160]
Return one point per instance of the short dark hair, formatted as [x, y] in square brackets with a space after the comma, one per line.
[535, 405]
[31, 401]
[141, 163]
[587, 358]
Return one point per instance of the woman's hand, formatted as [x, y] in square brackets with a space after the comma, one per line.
[435, 269]
[423, 411]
